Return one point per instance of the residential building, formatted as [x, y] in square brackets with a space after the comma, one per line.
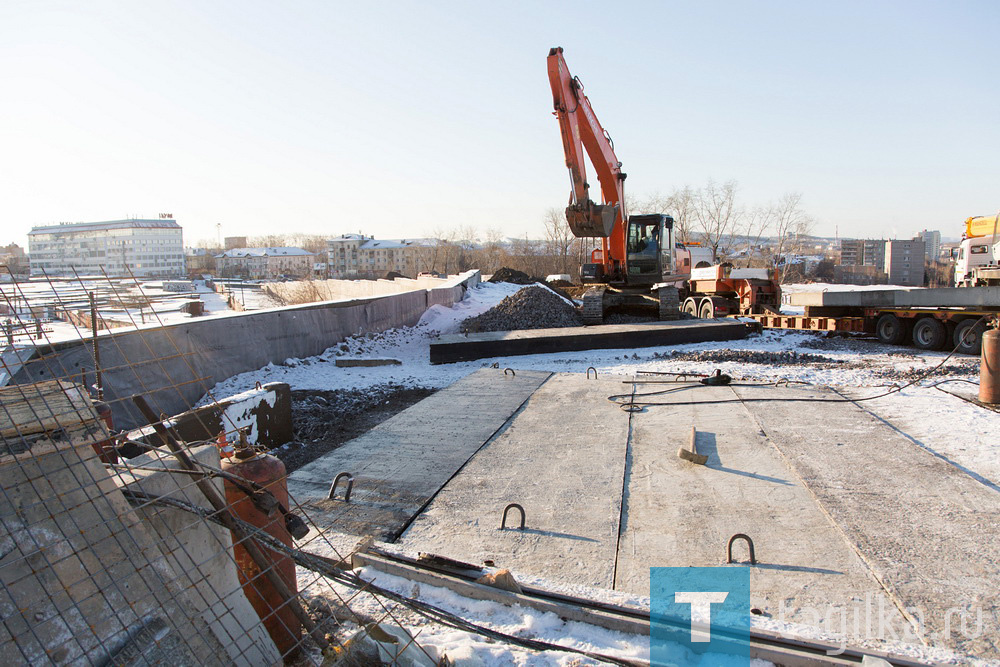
[359, 256]
[863, 252]
[852, 252]
[264, 263]
[14, 258]
[904, 262]
[147, 248]
[932, 244]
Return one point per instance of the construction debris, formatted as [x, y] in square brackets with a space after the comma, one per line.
[514, 276]
[531, 308]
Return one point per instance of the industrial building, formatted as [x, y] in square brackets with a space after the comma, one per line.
[144, 248]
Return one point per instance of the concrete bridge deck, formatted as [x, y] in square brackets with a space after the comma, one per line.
[843, 509]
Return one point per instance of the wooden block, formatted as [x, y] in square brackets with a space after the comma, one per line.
[43, 406]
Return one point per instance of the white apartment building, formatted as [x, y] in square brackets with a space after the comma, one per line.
[147, 248]
[263, 263]
[359, 256]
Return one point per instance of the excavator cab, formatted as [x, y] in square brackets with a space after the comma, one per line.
[648, 243]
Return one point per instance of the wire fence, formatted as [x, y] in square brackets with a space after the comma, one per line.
[125, 541]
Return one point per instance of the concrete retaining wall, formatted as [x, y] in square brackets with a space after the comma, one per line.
[174, 365]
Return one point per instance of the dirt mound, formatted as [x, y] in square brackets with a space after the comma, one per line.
[530, 308]
[514, 276]
[559, 283]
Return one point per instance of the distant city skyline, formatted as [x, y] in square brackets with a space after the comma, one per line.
[404, 120]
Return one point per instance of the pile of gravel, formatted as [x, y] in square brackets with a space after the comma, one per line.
[514, 276]
[751, 357]
[530, 308]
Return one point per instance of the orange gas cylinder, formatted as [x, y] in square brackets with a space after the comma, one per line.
[989, 368]
[279, 619]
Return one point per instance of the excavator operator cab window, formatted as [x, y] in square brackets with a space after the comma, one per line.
[643, 237]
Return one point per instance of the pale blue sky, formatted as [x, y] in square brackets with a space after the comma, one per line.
[401, 118]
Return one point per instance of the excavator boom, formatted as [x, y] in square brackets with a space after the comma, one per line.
[581, 131]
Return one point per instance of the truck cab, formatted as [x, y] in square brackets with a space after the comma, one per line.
[971, 255]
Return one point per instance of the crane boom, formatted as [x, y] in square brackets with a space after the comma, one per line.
[581, 131]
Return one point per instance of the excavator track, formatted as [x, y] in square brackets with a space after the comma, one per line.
[593, 305]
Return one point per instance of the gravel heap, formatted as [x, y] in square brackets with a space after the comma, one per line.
[751, 357]
[530, 308]
[514, 276]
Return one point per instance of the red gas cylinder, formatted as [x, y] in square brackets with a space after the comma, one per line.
[276, 614]
[989, 368]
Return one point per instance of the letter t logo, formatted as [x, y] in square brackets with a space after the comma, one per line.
[701, 606]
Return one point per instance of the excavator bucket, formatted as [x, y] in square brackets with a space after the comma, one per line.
[591, 220]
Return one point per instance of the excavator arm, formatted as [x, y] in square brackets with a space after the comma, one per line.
[581, 131]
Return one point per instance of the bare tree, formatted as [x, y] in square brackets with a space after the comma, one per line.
[493, 252]
[716, 213]
[789, 223]
[756, 223]
[682, 205]
[559, 237]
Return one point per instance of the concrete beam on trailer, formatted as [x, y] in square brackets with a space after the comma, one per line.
[678, 514]
[468, 347]
[562, 458]
[926, 529]
[938, 297]
[402, 463]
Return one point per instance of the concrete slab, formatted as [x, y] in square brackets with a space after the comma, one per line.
[468, 347]
[927, 530]
[682, 515]
[562, 458]
[400, 464]
[968, 297]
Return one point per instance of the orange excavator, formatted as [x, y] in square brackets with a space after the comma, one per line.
[638, 266]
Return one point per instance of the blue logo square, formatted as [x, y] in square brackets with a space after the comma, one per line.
[701, 609]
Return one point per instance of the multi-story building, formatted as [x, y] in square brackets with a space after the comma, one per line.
[147, 248]
[852, 252]
[904, 262]
[359, 256]
[863, 252]
[932, 244]
[264, 263]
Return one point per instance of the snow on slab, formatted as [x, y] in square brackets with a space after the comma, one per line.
[959, 432]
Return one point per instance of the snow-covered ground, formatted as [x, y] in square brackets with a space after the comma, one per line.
[956, 430]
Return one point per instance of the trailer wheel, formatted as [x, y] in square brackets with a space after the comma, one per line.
[969, 336]
[890, 329]
[690, 307]
[929, 333]
[707, 309]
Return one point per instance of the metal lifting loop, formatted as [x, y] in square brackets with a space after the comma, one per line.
[258, 385]
[503, 522]
[729, 548]
[512, 374]
[336, 481]
[591, 369]
[781, 382]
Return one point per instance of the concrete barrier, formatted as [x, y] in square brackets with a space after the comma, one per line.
[176, 364]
